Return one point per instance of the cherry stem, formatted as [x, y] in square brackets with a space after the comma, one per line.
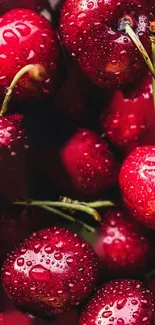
[152, 38]
[67, 217]
[140, 47]
[36, 72]
[95, 204]
[64, 205]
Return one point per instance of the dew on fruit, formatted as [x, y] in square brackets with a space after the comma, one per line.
[3, 56]
[107, 314]
[29, 263]
[90, 5]
[20, 261]
[71, 285]
[134, 302]
[33, 288]
[39, 273]
[23, 29]
[2, 77]
[10, 36]
[30, 55]
[48, 261]
[120, 321]
[121, 303]
[126, 40]
[37, 248]
[48, 249]
[58, 256]
[23, 250]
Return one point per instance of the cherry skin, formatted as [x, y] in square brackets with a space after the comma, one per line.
[119, 302]
[13, 153]
[130, 118]
[121, 244]
[93, 33]
[137, 184]
[51, 272]
[88, 162]
[26, 37]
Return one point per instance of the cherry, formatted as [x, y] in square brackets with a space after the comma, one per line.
[26, 37]
[130, 118]
[121, 244]
[94, 34]
[119, 302]
[137, 184]
[51, 272]
[88, 162]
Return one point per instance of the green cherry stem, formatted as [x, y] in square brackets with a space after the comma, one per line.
[95, 204]
[140, 47]
[152, 38]
[64, 205]
[35, 71]
[67, 217]
[100, 204]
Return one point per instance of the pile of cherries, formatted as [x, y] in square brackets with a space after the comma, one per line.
[77, 162]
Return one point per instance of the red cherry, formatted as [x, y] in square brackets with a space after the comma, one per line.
[26, 37]
[93, 33]
[137, 184]
[119, 302]
[121, 244]
[88, 162]
[130, 118]
[50, 272]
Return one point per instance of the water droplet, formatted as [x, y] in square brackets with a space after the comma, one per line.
[81, 15]
[48, 249]
[107, 314]
[30, 55]
[10, 36]
[69, 260]
[23, 250]
[120, 321]
[90, 5]
[23, 29]
[48, 261]
[71, 285]
[3, 56]
[37, 248]
[59, 244]
[58, 256]
[2, 77]
[125, 39]
[135, 315]
[29, 263]
[40, 273]
[134, 302]
[121, 303]
[33, 288]
[20, 261]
